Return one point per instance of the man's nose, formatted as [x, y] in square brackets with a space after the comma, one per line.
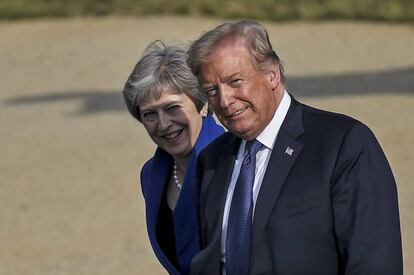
[226, 97]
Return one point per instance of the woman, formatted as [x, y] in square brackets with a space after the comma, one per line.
[163, 94]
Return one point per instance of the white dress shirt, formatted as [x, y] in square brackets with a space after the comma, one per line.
[267, 138]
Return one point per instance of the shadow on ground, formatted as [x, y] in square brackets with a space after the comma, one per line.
[390, 81]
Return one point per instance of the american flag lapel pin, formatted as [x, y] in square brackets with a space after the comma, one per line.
[289, 151]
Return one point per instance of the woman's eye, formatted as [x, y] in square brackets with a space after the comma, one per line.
[148, 116]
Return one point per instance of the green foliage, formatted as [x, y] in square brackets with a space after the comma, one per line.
[275, 10]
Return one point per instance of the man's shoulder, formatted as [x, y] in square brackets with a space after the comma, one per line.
[324, 119]
[330, 124]
[321, 113]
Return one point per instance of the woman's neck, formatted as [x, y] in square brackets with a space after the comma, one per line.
[175, 184]
[182, 162]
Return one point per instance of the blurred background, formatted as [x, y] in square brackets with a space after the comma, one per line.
[70, 199]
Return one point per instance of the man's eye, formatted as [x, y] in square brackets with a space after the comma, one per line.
[173, 107]
[211, 91]
[236, 82]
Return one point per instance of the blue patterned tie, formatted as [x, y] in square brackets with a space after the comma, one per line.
[240, 217]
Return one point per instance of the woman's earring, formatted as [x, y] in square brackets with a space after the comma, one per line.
[204, 111]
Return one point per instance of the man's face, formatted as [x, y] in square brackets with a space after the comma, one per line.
[243, 98]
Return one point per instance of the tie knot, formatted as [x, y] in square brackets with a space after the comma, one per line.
[253, 146]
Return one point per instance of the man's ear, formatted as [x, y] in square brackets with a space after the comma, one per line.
[274, 76]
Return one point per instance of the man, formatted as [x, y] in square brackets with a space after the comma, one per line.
[289, 189]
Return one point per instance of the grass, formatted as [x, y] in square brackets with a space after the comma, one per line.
[274, 10]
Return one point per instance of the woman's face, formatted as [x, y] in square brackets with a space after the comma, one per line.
[172, 122]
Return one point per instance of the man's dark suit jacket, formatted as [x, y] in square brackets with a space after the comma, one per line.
[329, 207]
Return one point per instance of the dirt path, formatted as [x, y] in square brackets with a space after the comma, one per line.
[70, 154]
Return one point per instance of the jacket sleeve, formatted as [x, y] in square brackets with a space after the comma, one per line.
[365, 207]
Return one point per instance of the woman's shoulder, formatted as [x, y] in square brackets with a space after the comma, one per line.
[146, 167]
[222, 145]
[145, 174]
[211, 127]
[152, 168]
[209, 132]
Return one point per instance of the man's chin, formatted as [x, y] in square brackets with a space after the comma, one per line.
[242, 133]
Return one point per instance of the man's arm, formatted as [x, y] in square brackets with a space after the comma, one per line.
[365, 207]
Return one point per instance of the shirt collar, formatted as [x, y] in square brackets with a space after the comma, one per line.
[269, 134]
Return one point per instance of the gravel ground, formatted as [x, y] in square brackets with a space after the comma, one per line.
[70, 153]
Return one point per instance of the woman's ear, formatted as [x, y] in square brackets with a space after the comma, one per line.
[204, 110]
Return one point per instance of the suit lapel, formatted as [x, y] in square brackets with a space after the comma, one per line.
[284, 154]
[220, 182]
[216, 180]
